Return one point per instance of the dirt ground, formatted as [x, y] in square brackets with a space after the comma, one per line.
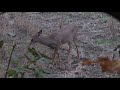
[97, 36]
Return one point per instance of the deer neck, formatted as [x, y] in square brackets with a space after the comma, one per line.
[47, 41]
[43, 40]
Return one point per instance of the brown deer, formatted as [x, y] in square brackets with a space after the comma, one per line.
[67, 34]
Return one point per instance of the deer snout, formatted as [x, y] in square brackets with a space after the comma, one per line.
[31, 42]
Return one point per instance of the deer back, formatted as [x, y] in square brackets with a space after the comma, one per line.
[65, 34]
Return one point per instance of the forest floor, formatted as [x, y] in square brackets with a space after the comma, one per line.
[98, 35]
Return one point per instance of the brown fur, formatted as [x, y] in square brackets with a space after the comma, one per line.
[67, 34]
[106, 64]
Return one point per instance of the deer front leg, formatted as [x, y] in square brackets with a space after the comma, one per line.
[54, 54]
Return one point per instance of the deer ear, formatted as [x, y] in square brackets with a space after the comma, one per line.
[39, 32]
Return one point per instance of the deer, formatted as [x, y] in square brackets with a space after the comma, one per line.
[66, 34]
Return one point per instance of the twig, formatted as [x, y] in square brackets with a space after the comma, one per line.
[10, 60]
[30, 61]
[27, 57]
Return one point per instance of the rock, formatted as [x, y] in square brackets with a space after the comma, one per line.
[73, 52]
[11, 34]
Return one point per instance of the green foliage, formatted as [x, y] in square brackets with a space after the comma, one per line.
[1, 66]
[40, 73]
[11, 72]
[36, 56]
[14, 72]
[18, 72]
[1, 43]
[98, 42]
[44, 56]
[105, 18]
[10, 61]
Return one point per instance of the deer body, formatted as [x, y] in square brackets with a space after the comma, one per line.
[47, 41]
[55, 40]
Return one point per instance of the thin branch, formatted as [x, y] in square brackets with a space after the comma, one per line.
[10, 60]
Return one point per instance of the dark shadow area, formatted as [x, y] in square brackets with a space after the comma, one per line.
[114, 14]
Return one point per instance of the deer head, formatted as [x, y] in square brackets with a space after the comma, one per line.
[35, 37]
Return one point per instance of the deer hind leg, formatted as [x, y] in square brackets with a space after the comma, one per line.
[69, 50]
[78, 55]
[54, 54]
